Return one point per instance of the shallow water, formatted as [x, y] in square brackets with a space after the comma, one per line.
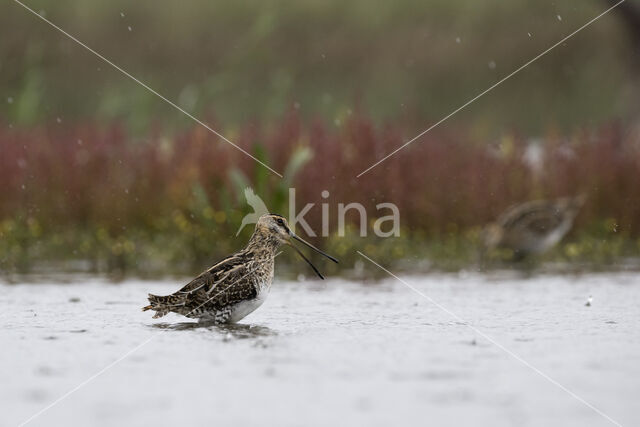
[329, 353]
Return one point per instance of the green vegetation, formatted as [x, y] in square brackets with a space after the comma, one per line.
[407, 61]
[155, 205]
[96, 168]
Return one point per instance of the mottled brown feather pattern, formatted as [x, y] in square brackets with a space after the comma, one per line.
[533, 227]
[537, 215]
[216, 292]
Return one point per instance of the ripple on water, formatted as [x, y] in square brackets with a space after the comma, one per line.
[37, 395]
[363, 351]
[44, 371]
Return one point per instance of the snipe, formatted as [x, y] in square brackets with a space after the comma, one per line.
[237, 285]
[532, 227]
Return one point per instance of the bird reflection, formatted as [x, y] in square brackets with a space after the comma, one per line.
[234, 330]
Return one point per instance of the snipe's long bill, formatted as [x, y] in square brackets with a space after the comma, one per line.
[240, 283]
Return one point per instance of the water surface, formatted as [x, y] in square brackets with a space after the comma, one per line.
[328, 353]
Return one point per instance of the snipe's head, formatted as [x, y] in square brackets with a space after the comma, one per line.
[277, 226]
[574, 204]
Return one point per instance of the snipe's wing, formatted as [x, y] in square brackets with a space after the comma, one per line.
[228, 282]
[538, 217]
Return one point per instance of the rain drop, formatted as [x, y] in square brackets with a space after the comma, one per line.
[458, 40]
[559, 17]
[492, 65]
[10, 100]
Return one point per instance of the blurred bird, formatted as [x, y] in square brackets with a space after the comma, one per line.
[533, 227]
[237, 285]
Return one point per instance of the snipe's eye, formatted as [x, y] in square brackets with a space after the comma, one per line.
[280, 221]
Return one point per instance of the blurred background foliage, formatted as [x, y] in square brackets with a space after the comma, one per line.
[406, 60]
[103, 175]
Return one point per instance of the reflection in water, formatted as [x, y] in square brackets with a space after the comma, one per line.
[234, 330]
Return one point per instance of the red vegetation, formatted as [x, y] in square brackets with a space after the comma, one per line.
[68, 176]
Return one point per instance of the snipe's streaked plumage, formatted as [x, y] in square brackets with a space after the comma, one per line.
[533, 227]
[237, 285]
